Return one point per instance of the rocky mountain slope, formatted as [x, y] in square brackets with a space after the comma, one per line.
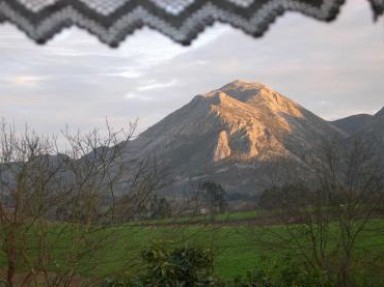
[243, 135]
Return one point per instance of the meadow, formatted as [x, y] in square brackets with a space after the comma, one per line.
[238, 244]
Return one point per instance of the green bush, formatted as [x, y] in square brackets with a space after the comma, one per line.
[182, 266]
[186, 266]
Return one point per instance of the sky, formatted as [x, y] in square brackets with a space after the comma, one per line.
[334, 70]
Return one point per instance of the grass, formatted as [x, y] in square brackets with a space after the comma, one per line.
[117, 249]
[201, 219]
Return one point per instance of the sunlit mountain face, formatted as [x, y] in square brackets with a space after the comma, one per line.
[238, 135]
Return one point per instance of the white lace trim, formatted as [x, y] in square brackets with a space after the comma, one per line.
[112, 20]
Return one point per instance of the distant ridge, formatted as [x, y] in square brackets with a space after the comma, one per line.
[373, 133]
[353, 123]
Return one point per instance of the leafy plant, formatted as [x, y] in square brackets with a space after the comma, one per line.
[182, 266]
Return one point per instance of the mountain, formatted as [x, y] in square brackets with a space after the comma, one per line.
[364, 128]
[244, 135]
[380, 114]
[367, 130]
[352, 124]
[373, 132]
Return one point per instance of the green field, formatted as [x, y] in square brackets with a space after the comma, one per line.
[237, 246]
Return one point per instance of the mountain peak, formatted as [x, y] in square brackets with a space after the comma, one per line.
[243, 91]
[246, 85]
[255, 95]
[243, 84]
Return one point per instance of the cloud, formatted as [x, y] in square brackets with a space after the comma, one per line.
[25, 81]
[128, 74]
[210, 35]
[157, 85]
[132, 96]
[333, 69]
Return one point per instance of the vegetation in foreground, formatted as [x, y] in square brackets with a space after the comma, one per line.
[230, 253]
[61, 224]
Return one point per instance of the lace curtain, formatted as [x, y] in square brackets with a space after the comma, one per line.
[182, 20]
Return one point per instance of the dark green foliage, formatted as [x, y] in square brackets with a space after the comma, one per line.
[284, 271]
[186, 266]
[182, 266]
[159, 208]
[287, 195]
[253, 279]
[215, 196]
[234, 196]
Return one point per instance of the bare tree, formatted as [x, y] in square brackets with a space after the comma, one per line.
[56, 207]
[27, 172]
[322, 223]
[215, 196]
[145, 179]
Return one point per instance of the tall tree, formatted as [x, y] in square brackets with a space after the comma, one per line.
[215, 196]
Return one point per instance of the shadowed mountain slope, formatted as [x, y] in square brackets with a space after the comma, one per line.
[354, 123]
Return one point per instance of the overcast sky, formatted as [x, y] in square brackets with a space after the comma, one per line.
[334, 70]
